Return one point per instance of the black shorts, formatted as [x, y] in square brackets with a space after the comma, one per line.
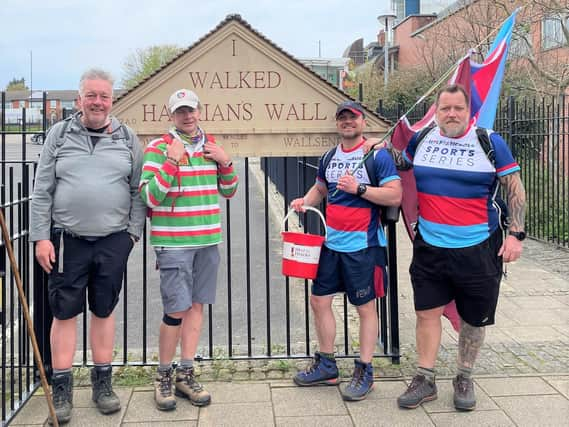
[97, 265]
[470, 275]
[360, 274]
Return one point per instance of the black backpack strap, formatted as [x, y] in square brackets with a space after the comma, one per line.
[369, 164]
[327, 157]
[424, 132]
[484, 140]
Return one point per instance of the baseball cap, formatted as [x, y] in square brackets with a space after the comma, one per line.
[183, 98]
[353, 106]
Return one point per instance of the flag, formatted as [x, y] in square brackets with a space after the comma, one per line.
[487, 77]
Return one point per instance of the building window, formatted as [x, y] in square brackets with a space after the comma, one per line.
[552, 32]
[53, 103]
[68, 105]
[519, 48]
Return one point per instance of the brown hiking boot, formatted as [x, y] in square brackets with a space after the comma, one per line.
[188, 387]
[165, 400]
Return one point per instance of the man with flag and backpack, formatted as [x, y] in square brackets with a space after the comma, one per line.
[353, 257]
[459, 246]
[86, 215]
[184, 173]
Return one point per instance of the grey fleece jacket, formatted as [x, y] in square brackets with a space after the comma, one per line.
[88, 190]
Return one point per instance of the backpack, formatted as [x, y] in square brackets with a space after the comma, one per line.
[388, 213]
[121, 134]
[484, 141]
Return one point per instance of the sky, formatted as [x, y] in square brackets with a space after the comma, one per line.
[54, 41]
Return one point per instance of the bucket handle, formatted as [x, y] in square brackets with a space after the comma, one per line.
[308, 208]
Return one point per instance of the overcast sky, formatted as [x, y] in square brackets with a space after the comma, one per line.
[68, 36]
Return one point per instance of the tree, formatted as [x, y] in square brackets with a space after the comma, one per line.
[17, 84]
[531, 68]
[143, 62]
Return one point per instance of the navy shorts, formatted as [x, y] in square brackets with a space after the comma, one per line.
[470, 275]
[360, 274]
[87, 264]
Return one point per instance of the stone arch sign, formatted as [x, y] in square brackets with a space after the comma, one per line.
[257, 99]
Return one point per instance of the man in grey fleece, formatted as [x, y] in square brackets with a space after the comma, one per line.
[86, 215]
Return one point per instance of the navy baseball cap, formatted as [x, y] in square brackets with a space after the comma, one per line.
[353, 106]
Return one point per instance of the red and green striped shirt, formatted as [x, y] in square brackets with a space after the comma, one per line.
[184, 199]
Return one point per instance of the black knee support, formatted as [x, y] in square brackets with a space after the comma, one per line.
[171, 321]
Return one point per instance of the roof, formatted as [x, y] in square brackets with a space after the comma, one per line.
[240, 20]
[445, 13]
[63, 95]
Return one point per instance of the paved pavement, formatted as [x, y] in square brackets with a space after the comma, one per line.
[522, 378]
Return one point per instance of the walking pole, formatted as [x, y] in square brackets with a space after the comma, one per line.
[29, 323]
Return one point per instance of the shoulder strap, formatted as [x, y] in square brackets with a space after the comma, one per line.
[484, 140]
[63, 131]
[327, 156]
[424, 132]
[369, 164]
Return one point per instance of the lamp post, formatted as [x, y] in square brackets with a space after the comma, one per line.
[386, 19]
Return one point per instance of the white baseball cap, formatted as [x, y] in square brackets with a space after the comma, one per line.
[183, 98]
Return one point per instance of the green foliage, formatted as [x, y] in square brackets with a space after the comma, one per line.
[143, 62]
[17, 84]
[404, 87]
[133, 376]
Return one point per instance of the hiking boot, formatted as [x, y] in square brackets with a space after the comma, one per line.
[62, 395]
[187, 386]
[464, 398]
[420, 390]
[163, 396]
[361, 384]
[103, 395]
[321, 371]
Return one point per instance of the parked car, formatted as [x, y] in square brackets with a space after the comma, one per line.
[37, 138]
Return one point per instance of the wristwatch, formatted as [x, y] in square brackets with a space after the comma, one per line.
[520, 235]
[362, 188]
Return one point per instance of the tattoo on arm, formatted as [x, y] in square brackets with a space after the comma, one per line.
[398, 159]
[516, 200]
[470, 341]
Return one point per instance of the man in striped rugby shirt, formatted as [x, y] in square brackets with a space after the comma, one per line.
[184, 173]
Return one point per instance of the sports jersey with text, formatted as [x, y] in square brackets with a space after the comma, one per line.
[456, 185]
[351, 221]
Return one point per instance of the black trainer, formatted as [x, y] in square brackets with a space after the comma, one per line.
[420, 390]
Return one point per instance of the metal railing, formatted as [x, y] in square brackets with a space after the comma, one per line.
[19, 376]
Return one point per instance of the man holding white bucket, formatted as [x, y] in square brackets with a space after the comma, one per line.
[353, 257]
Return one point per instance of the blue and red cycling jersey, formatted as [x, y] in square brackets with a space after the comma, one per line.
[456, 186]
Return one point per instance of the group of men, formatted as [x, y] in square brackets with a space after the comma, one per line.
[95, 186]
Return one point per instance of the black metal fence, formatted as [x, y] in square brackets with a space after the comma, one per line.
[538, 134]
[19, 376]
